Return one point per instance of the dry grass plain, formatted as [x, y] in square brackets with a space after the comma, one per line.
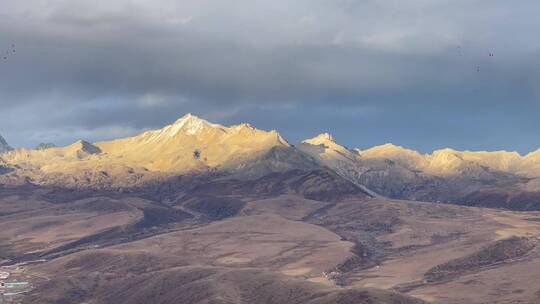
[282, 249]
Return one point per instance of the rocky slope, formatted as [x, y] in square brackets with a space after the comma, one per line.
[4, 147]
[345, 162]
[445, 175]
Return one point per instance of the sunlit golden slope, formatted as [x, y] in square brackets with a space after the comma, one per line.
[190, 144]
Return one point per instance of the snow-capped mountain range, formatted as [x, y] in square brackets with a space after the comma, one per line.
[192, 145]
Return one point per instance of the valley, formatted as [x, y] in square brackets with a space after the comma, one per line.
[359, 247]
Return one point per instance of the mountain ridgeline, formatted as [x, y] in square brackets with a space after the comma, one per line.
[4, 147]
[195, 148]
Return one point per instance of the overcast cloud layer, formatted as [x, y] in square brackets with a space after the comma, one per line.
[416, 73]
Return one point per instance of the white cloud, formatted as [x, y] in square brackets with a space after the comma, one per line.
[151, 100]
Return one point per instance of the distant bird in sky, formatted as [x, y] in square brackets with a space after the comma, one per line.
[9, 53]
[460, 54]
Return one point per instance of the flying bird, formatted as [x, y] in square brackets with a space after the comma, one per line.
[9, 53]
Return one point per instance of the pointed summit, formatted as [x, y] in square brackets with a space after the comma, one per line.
[191, 124]
[81, 149]
[189, 118]
[330, 149]
[321, 139]
[4, 147]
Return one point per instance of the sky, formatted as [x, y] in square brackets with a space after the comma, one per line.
[416, 73]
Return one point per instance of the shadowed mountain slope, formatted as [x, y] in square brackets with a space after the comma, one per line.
[4, 147]
[446, 175]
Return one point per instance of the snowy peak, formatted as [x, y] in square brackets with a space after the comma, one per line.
[191, 125]
[406, 157]
[4, 147]
[446, 152]
[321, 139]
[324, 147]
[446, 156]
[194, 126]
[201, 129]
[386, 150]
